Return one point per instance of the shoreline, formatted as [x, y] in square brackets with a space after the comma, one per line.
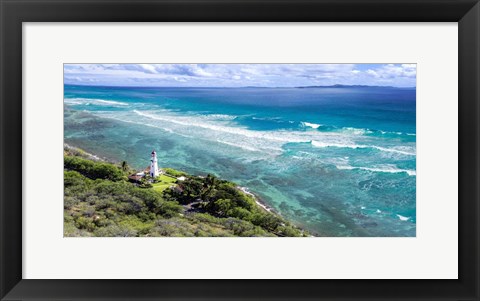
[243, 189]
[83, 152]
[257, 200]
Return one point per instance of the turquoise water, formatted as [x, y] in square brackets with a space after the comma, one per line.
[338, 161]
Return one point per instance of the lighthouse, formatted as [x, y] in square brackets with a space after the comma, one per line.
[153, 165]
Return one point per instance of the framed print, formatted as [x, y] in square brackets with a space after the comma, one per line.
[247, 150]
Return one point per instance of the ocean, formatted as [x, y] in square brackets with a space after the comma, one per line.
[337, 161]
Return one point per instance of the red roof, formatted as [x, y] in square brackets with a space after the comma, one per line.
[135, 177]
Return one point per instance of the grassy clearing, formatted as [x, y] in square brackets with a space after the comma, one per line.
[164, 182]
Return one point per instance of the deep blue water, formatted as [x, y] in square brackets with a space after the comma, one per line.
[339, 161]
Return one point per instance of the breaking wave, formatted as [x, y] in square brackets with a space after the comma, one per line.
[311, 125]
[387, 169]
[355, 146]
[98, 102]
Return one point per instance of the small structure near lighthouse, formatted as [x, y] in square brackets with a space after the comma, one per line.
[151, 170]
[154, 172]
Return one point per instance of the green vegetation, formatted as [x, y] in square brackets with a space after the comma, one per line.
[93, 170]
[175, 173]
[163, 182]
[99, 201]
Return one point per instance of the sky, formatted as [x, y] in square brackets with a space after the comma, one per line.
[240, 75]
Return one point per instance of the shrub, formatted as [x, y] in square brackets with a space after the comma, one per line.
[134, 223]
[85, 223]
[175, 173]
[115, 231]
[93, 170]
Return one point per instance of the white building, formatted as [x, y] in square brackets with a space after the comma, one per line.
[154, 172]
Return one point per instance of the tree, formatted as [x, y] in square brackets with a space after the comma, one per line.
[125, 166]
[208, 187]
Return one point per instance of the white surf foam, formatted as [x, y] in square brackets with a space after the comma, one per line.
[101, 102]
[354, 146]
[192, 121]
[355, 131]
[221, 117]
[346, 130]
[311, 125]
[221, 130]
[72, 102]
[392, 150]
[385, 168]
[330, 144]
[396, 133]
[403, 218]
[246, 147]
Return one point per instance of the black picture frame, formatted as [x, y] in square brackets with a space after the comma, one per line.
[15, 12]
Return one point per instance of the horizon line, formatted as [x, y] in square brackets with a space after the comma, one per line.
[237, 87]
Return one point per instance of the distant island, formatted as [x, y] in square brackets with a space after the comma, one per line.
[108, 199]
[344, 86]
[244, 87]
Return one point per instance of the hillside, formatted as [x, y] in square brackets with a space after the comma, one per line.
[100, 201]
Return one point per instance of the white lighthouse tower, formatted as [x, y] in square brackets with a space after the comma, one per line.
[153, 165]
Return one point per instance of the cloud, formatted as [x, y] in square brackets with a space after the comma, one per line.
[231, 75]
[391, 71]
